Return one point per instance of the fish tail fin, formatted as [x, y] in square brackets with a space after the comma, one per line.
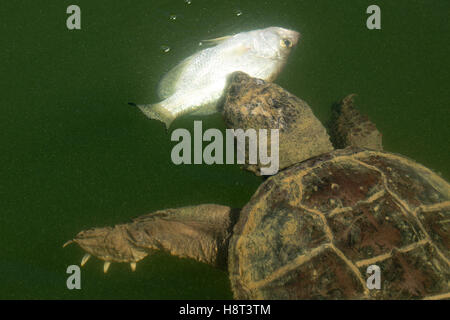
[157, 112]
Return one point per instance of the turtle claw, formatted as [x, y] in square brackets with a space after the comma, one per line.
[106, 266]
[133, 266]
[85, 259]
[67, 243]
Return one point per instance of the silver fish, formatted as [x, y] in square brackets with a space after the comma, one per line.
[198, 82]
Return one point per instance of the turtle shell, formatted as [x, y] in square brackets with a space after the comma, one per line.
[311, 231]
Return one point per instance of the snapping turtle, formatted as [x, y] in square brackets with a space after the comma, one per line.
[310, 231]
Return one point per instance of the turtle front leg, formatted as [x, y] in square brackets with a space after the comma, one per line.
[199, 232]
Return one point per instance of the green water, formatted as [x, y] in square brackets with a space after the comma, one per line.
[74, 155]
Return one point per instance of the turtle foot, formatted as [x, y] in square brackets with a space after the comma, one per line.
[110, 245]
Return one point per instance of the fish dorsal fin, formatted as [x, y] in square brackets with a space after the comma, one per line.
[215, 41]
[166, 87]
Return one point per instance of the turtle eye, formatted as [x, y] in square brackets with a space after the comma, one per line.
[286, 43]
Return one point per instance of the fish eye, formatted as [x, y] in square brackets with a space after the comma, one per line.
[286, 43]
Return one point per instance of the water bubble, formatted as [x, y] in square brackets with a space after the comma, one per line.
[237, 12]
[173, 17]
[187, 1]
[165, 49]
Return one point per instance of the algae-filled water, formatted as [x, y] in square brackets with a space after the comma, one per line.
[74, 155]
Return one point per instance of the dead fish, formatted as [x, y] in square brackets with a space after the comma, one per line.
[198, 82]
